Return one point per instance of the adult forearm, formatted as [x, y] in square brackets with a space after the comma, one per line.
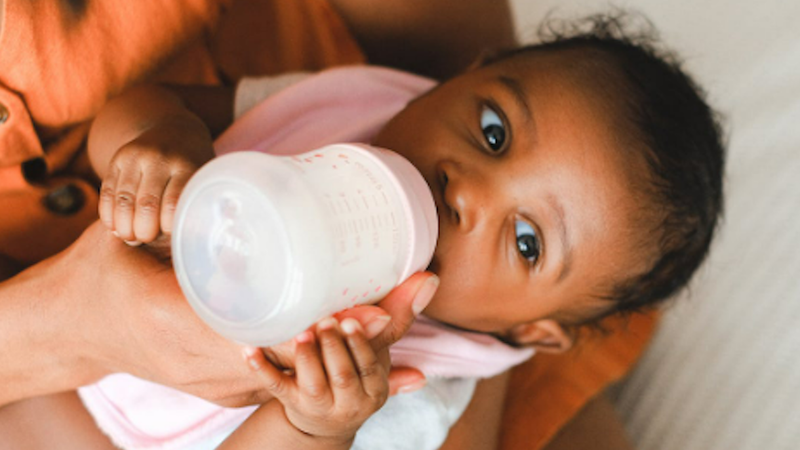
[438, 38]
[39, 334]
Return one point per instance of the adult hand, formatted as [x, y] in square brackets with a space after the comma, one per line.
[130, 316]
[384, 324]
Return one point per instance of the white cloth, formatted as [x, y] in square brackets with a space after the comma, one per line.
[419, 420]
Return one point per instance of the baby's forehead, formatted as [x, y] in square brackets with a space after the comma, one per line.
[586, 68]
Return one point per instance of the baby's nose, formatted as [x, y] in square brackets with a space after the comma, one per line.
[461, 196]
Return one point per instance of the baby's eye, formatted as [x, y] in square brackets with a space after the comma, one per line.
[527, 241]
[493, 129]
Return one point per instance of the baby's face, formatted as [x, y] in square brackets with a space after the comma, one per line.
[532, 191]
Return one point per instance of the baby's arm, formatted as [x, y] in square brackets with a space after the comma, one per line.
[145, 144]
[339, 382]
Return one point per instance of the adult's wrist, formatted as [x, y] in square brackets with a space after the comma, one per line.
[41, 333]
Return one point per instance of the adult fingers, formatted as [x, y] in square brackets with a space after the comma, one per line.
[405, 379]
[373, 318]
[403, 304]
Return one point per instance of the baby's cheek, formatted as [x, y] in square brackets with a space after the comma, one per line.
[454, 303]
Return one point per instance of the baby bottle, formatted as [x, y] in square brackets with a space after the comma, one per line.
[264, 246]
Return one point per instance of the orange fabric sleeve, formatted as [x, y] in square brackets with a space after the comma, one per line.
[64, 58]
[61, 61]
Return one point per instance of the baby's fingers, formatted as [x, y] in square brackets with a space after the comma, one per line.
[311, 379]
[169, 203]
[147, 211]
[372, 373]
[342, 375]
[125, 200]
[275, 381]
[108, 195]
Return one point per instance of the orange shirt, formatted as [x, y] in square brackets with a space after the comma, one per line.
[61, 61]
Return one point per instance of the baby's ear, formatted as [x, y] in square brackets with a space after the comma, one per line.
[546, 336]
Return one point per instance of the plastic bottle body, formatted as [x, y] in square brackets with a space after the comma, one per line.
[265, 245]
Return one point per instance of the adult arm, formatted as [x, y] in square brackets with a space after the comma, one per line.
[438, 38]
[596, 426]
[479, 427]
[102, 307]
[52, 421]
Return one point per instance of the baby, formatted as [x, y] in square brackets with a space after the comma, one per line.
[574, 179]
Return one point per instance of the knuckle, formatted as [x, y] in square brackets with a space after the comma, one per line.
[125, 200]
[370, 370]
[148, 204]
[352, 413]
[130, 150]
[316, 393]
[170, 203]
[276, 386]
[107, 194]
[380, 398]
[343, 380]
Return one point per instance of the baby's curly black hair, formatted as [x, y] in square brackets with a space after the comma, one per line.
[665, 117]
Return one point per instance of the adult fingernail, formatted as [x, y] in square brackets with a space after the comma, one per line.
[376, 325]
[249, 355]
[134, 243]
[425, 294]
[412, 387]
[305, 336]
[327, 323]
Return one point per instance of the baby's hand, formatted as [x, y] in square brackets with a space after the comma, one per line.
[145, 178]
[339, 381]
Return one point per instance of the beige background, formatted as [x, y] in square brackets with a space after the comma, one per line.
[724, 370]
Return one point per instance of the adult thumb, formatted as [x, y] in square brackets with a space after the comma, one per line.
[403, 304]
[405, 379]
